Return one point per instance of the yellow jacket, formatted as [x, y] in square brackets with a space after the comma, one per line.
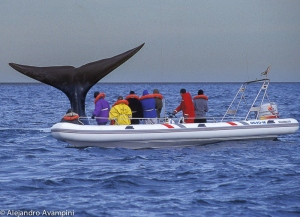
[121, 113]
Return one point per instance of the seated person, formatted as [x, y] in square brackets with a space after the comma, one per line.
[71, 117]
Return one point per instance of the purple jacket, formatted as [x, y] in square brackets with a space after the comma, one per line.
[101, 110]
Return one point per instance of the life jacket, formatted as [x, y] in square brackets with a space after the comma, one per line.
[121, 101]
[147, 96]
[158, 95]
[71, 116]
[132, 96]
[201, 97]
[100, 95]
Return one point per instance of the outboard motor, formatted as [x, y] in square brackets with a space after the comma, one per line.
[268, 111]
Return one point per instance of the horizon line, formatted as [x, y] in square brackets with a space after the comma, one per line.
[156, 82]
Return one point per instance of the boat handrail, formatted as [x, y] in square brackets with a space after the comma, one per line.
[236, 103]
[178, 120]
[257, 80]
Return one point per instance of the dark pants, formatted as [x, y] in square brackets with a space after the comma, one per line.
[135, 121]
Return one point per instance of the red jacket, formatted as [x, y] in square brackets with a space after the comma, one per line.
[187, 107]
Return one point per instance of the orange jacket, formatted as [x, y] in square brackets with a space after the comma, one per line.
[187, 107]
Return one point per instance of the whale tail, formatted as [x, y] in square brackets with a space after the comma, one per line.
[76, 82]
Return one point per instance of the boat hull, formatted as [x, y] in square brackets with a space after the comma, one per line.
[170, 135]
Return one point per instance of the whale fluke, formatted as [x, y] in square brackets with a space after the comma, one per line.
[76, 82]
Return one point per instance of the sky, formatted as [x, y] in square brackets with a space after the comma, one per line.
[185, 40]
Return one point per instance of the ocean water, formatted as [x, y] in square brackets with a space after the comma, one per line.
[40, 176]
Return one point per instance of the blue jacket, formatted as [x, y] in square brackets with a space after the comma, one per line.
[148, 104]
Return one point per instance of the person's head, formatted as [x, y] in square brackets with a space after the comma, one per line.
[155, 91]
[99, 95]
[96, 94]
[182, 91]
[131, 92]
[120, 97]
[145, 92]
[69, 111]
[200, 92]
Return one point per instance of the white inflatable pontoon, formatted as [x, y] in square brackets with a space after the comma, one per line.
[266, 124]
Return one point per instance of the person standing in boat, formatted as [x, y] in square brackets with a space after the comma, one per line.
[135, 106]
[158, 102]
[120, 113]
[148, 104]
[101, 109]
[186, 106]
[201, 107]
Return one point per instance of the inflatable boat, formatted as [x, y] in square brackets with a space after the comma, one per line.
[170, 135]
[261, 121]
[266, 124]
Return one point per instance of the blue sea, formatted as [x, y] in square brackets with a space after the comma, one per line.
[40, 176]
